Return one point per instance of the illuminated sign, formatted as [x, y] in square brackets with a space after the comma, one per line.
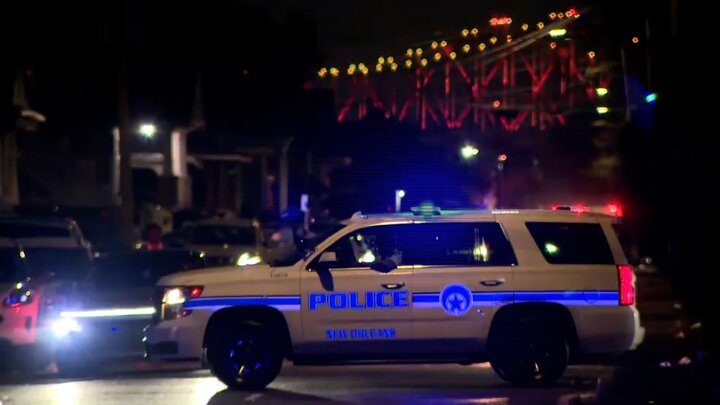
[356, 300]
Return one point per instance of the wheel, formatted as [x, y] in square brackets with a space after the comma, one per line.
[535, 355]
[244, 357]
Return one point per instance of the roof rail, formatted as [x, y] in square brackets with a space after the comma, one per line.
[426, 210]
[358, 216]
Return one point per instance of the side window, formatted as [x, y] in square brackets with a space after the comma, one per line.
[442, 244]
[571, 243]
[457, 244]
[368, 245]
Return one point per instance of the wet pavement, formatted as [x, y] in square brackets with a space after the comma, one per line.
[381, 384]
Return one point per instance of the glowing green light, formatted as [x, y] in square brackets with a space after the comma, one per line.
[650, 98]
[367, 257]
[246, 259]
[601, 91]
[602, 110]
[551, 248]
[148, 130]
[468, 151]
[558, 32]
[481, 252]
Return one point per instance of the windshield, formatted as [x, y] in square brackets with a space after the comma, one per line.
[299, 243]
[223, 234]
[62, 263]
[18, 231]
[9, 265]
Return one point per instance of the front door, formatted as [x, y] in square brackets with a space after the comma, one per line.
[349, 308]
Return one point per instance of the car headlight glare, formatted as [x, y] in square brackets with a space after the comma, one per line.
[173, 299]
[246, 259]
[173, 296]
[65, 326]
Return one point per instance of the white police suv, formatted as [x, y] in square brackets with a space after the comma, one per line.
[530, 291]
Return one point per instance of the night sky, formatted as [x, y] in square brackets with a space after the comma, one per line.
[349, 30]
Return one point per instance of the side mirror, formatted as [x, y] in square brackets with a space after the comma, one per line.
[328, 257]
[384, 266]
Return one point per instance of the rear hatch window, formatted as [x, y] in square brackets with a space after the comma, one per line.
[571, 243]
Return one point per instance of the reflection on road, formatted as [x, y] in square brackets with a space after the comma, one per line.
[408, 384]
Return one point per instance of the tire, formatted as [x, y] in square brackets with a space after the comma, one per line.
[535, 355]
[244, 358]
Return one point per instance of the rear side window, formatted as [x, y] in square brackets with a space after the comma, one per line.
[571, 243]
[456, 244]
[444, 244]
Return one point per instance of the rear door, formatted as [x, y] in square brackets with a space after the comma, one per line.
[570, 262]
[463, 272]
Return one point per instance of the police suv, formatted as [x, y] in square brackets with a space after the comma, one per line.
[530, 291]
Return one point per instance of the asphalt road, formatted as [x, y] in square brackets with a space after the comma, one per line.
[382, 384]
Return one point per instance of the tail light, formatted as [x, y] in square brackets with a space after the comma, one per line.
[615, 210]
[627, 290]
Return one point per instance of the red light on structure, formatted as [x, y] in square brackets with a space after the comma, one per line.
[635, 40]
[580, 208]
[195, 292]
[496, 104]
[502, 158]
[496, 21]
[571, 12]
[615, 210]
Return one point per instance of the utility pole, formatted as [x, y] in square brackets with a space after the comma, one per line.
[127, 209]
[284, 173]
[626, 84]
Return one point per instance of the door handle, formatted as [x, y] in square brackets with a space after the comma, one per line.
[493, 283]
[393, 286]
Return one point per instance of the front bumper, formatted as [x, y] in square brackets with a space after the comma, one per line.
[103, 339]
[177, 339]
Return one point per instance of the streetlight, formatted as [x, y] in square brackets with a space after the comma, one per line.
[558, 32]
[399, 194]
[469, 151]
[148, 131]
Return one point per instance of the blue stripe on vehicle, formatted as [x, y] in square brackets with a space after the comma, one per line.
[569, 298]
[596, 298]
[425, 297]
[280, 302]
[493, 296]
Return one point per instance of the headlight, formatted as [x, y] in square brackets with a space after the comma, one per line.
[173, 300]
[174, 296]
[63, 327]
[246, 259]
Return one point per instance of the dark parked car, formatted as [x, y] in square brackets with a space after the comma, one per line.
[107, 319]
